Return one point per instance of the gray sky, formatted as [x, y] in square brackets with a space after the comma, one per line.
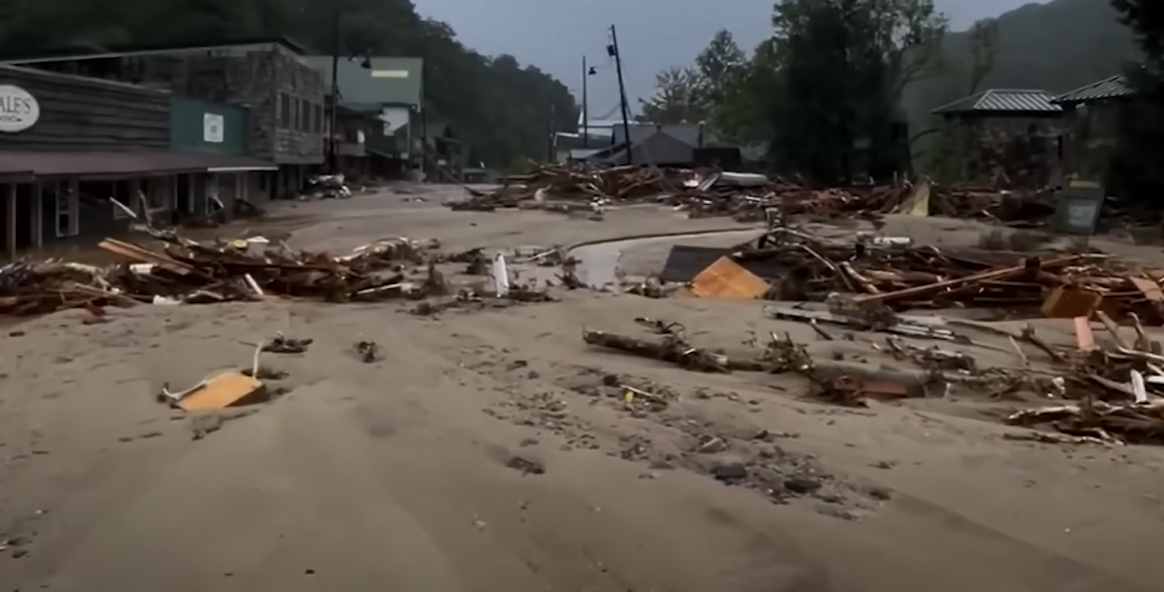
[653, 34]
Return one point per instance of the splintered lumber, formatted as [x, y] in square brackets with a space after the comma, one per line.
[1006, 273]
[1131, 424]
[143, 255]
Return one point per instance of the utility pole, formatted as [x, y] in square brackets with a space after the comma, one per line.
[585, 106]
[612, 49]
[551, 134]
[332, 148]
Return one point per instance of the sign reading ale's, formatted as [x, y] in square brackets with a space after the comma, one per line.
[18, 109]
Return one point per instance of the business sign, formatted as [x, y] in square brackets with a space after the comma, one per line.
[397, 74]
[18, 109]
[212, 128]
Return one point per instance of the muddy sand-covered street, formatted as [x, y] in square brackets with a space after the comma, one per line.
[492, 450]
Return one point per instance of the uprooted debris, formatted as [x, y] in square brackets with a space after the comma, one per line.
[1119, 384]
[369, 351]
[287, 345]
[747, 196]
[184, 271]
[870, 279]
[673, 348]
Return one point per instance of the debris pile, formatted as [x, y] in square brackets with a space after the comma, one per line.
[1111, 393]
[561, 182]
[747, 196]
[885, 273]
[187, 271]
[1119, 386]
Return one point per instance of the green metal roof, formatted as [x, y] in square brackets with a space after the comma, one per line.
[389, 81]
[1108, 88]
[1003, 101]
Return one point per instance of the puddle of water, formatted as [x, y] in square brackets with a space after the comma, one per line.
[598, 264]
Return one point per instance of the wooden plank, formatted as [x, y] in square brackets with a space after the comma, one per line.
[143, 255]
[1083, 335]
[230, 389]
[726, 279]
[995, 274]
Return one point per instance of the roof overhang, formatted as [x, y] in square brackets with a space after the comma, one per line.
[241, 169]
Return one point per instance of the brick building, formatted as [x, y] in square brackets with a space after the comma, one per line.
[1092, 116]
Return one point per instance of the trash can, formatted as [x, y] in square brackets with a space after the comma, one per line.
[1077, 208]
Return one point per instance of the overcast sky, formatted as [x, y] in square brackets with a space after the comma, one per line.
[653, 34]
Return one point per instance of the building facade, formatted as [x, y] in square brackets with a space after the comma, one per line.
[1004, 137]
[1092, 117]
[282, 95]
[82, 158]
[388, 93]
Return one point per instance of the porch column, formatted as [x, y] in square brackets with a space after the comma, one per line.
[37, 219]
[10, 230]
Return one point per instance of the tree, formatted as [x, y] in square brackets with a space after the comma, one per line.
[1141, 143]
[487, 101]
[839, 88]
[721, 66]
[909, 34]
[983, 41]
[676, 99]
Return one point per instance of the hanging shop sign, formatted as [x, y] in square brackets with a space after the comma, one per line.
[18, 109]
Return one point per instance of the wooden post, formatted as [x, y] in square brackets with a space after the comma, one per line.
[10, 229]
[37, 218]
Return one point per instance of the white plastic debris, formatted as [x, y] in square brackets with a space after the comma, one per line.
[257, 246]
[500, 276]
[1139, 389]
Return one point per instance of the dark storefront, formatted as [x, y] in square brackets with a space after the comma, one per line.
[81, 158]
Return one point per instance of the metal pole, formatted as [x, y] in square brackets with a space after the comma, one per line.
[622, 95]
[424, 156]
[552, 134]
[585, 106]
[332, 148]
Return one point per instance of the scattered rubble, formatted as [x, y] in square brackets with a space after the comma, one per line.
[750, 197]
[184, 271]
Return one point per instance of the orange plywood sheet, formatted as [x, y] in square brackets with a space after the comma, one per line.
[726, 279]
[229, 389]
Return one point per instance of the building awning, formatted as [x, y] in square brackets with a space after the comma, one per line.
[123, 164]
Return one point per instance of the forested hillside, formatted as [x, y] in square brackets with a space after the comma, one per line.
[1056, 46]
[502, 109]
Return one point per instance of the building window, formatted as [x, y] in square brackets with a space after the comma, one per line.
[67, 207]
[319, 115]
[284, 110]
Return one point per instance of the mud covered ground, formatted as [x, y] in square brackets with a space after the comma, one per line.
[493, 450]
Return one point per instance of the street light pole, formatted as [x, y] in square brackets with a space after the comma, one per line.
[585, 106]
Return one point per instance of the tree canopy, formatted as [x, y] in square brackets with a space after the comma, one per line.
[501, 109]
[835, 84]
[1141, 148]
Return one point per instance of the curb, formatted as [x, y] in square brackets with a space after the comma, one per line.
[646, 236]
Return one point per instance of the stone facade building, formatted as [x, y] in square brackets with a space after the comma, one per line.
[1092, 115]
[1010, 138]
[283, 96]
